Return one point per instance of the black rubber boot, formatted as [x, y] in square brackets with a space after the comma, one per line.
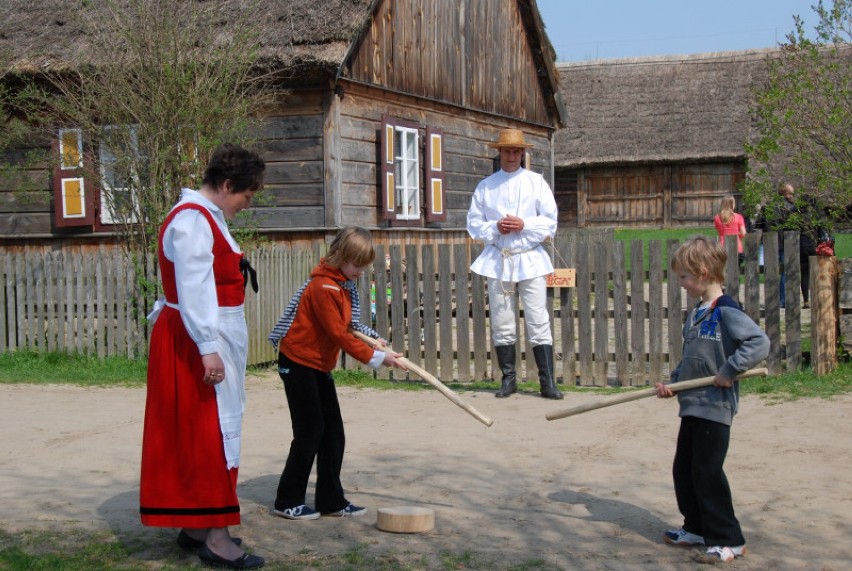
[544, 361]
[506, 361]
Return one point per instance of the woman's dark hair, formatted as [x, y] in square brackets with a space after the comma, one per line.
[242, 167]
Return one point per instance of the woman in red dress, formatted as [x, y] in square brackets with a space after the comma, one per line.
[196, 366]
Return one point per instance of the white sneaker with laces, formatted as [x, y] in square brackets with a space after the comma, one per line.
[682, 537]
[298, 512]
[725, 553]
[349, 511]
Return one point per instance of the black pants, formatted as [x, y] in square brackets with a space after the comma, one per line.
[317, 432]
[702, 490]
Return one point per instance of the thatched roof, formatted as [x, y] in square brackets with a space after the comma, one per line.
[658, 109]
[38, 35]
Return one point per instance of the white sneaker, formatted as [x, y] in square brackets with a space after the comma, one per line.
[298, 512]
[349, 511]
[682, 537]
[725, 554]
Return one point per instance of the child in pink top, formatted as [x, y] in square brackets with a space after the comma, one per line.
[730, 223]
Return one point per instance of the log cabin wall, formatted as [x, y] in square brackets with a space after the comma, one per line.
[667, 195]
[476, 55]
[467, 157]
[26, 205]
[292, 144]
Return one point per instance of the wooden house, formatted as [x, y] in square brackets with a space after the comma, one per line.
[654, 141]
[391, 106]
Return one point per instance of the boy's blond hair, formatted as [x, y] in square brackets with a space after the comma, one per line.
[352, 244]
[701, 257]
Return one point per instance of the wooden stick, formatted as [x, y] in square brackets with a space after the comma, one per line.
[432, 380]
[636, 395]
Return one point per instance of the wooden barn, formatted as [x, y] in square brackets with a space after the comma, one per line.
[391, 106]
[654, 141]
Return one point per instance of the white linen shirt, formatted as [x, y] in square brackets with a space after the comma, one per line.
[188, 242]
[524, 194]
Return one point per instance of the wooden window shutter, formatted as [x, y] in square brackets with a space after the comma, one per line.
[436, 209]
[73, 197]
[387, 155]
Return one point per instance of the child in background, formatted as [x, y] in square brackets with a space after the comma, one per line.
[309, 335]
[730, 223]
[718, 339]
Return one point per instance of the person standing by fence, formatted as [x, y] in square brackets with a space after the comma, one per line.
[730, 223]
[197, 364]
[513, 212]
[802, 215]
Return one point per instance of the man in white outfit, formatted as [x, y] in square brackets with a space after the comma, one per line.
[513, 212]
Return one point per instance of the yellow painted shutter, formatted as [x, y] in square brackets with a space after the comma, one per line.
[72, 193]
[386, 166]
[436, 209]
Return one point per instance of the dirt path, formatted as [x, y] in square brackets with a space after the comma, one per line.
[588, 492]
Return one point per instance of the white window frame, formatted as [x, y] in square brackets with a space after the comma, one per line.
[407, 187]
[105, 159]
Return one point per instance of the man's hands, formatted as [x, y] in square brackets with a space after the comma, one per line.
[509, 224]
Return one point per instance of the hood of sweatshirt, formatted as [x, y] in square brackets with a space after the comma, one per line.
[323, 270]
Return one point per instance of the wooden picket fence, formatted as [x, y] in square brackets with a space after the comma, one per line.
[616, 326]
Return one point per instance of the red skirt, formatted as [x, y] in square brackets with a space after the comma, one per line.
[185, 481]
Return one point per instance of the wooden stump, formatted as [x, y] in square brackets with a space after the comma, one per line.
[405, 519]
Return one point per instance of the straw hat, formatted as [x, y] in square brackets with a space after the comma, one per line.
[510, 138]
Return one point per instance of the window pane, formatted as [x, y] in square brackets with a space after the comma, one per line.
[410, 151]
[118, 154]
[406, 169]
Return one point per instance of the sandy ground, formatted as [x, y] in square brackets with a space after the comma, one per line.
[587, 492]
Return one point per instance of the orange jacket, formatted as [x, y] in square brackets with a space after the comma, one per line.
[321, 327]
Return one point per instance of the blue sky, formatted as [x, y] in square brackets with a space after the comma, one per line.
[582, 30]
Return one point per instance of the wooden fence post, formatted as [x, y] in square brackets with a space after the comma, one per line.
[823, 313]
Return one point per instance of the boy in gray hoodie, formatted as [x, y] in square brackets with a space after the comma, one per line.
[720, 341]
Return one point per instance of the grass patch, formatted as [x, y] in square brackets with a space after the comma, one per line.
[646, 235]
[68, 368]
[842, 241]
[801, 384]
[78, 550]
[63, 368]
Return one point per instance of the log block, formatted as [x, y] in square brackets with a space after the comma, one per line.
[405, 519]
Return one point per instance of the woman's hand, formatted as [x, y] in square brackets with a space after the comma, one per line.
[214, 369]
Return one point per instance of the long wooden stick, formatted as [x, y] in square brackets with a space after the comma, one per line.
[432, 380]
[636, 395]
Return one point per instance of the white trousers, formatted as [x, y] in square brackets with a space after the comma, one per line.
[503, 303]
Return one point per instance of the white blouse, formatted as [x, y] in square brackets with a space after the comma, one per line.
[188, 242]
[518, 255]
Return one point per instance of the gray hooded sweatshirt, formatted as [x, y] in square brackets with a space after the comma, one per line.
[718, 339]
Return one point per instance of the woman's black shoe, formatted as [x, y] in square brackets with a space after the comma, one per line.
[245, 561]
[185, 541]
